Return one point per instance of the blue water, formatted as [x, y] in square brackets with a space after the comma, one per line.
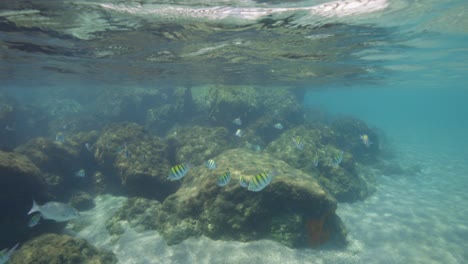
[402, 69]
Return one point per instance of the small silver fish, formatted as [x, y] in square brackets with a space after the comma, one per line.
[34, 220]
[239, 132]
[88, 147]
[6, 253]
[80, 173]
[56, 211]
[278, 126]
[224, 179]
[211, 164]
[237, 121]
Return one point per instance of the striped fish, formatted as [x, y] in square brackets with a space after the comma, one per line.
[243, 182]
[34, 220]
[211, 164]
[260, 181]
[224, 179]
[178, 171]
[337, 160]
[298, 143]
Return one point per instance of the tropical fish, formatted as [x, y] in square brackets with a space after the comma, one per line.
[34, 220]
[88, 147]
[243, 182]
[211, 164]
[260, 181]
[60, 137]
[239, 133]
[80, 173]
[365, 140]
[237, 121]
[6, 253]
[56, 211]
[224, 179]
[178, 171]
[337, 160]
[298, 142]
[278, 126]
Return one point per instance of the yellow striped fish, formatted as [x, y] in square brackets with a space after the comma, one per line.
[178, 171]
[224, 179]
[243, 182]
[260, 181]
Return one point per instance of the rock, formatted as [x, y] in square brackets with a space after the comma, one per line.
[198, 144]
[347, 136]
[82, 201]
[139, 213]
[227, 103]
[8, 127]
[59, 249]
[133, 161]
[58, 162]
[282, 211]
[346, 182]
[20, 182]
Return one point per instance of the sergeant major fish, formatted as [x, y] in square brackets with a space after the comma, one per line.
[178, 171]
[211, 164]
[365, 140]
[56, 211]
[243, 182]
[34, 220]
[298, 142]
[224, 178]
[260, 181]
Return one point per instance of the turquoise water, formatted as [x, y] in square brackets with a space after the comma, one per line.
[400, 66]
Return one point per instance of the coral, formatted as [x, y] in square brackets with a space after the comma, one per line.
[82, 201]
[143, 170]
[60, 249]
[198, 144]
[200, 206]
[139, 213]
[346, 182]
[347, 132]
[20, 182]
[318, 235]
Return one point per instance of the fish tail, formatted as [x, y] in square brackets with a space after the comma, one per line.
[34, 208]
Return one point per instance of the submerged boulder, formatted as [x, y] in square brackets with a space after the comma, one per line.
[59, 249]
[198, 144]
[58, 161]
[293, 209]
[133, 161]
[334, 168]
[347, 136]
[20, 182]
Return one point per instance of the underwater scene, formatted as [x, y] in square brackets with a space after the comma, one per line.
[243, 131]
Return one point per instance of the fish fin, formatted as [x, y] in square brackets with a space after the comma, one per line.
[34, 208]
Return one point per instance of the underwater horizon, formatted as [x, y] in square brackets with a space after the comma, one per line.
[246, 131]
